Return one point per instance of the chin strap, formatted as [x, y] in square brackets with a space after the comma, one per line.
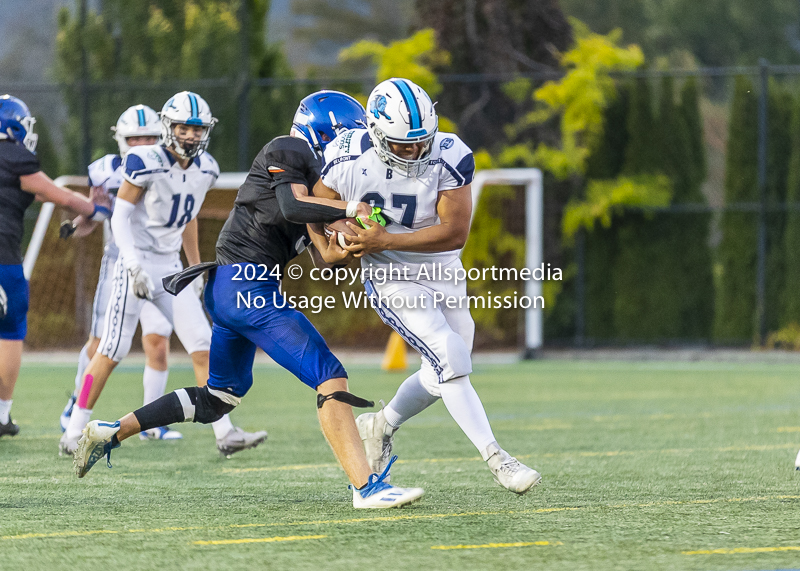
[346, 398]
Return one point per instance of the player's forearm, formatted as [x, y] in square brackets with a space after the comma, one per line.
[191, 243]
[46, 190]
[296, 206]
[123, 232]
[439, 238]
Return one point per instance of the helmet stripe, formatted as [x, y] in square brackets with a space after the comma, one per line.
[140, 113]
[411, 104]
[193, 101]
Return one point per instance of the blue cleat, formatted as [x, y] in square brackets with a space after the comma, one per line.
[377, 494]
[160, 433]
[95, 443]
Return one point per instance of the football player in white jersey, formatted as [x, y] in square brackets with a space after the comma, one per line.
[420, 178]
[155, 214]
[138, 125]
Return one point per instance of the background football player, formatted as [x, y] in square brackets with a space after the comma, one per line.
[264, 231]
[21, 182]
[155, 213]
[421, 179]
[138, 125]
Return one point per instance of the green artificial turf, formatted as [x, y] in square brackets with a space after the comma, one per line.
[642, 464]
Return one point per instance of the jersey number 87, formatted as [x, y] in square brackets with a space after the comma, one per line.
[408, 202]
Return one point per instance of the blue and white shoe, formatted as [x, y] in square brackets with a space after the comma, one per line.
[67, 412]
[378, 494]
[95, 443]
[160, 433]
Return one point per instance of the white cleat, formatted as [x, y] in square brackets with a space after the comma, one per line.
[160, 433]
[377, 494]
[95, 443]
[67, 446]
[797, 462]
[237, 440]
[376, 434]
[509, 472]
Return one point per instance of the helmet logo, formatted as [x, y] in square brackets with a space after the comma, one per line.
[446, 143]
[378, 107]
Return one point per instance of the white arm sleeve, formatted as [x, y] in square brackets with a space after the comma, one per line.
[123, 234]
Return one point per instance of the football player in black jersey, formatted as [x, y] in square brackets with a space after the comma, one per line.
[264, 231]
[21, 182]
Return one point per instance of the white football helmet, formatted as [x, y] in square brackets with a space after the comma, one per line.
[189, 109]
[136, 121]
[399, 111]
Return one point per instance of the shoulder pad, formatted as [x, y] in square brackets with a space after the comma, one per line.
[208, 164]
[103, 169]
[455, 156]
[144, 160]
[289, 152]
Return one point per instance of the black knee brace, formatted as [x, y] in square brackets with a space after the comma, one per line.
[209, 408]
[191, 404]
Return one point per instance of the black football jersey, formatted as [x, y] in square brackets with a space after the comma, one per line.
[15, 161]
[256, 230]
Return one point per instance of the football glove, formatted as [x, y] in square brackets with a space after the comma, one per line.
[376, 216]
[66, 229]
[142, 284]
[3, 303]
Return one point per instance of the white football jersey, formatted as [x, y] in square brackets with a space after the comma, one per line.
[172, 196]
[106, 173]
[353, 169]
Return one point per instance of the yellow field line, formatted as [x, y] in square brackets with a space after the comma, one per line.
[735, 550]
[789, 429]
[495, 545]
[413, 517]
[258, 540]
[582, 454]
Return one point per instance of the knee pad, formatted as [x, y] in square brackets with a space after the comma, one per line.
[459, 359]
[429, 380]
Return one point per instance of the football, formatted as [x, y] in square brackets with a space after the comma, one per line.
[342, 230]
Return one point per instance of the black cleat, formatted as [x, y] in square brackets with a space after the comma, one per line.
[9, 428]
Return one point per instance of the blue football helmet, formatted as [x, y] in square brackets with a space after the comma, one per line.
[324, 114]
[16, 122]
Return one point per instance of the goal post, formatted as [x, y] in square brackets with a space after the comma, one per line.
[228, 181]
[531, 179]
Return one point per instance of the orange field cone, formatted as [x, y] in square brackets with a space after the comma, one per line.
[395, 357]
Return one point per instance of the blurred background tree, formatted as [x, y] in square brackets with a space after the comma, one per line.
[173, 42]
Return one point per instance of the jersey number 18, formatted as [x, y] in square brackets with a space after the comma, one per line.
[188, 206]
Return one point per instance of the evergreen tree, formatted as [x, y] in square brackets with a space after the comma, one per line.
[779, 149]
[736, 255]
[644, 306]
[605, 162]
[177, 44]
[790, 302]
[694, 259]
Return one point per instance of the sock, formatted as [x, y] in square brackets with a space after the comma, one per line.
[155, 384]
[83, 362]
[411, 399]
[78, 421]
[5, 411]
[222, 426]
[465, 407]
